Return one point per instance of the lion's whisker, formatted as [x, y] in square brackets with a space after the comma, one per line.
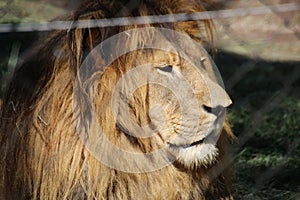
[42, 120]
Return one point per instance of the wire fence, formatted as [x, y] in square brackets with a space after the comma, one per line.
[256, 117]
[123, 21]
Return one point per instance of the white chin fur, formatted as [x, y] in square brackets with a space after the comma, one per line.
[197, 156]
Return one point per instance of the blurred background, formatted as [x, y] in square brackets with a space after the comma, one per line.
[259, 58]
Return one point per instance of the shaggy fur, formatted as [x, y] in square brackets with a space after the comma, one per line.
[41, 155]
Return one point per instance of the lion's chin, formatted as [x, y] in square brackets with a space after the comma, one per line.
[194, 156]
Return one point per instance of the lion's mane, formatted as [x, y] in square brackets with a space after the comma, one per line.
[41, 155]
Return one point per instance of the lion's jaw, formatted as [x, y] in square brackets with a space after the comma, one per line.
[200, 151]
[197, 155]
[198, 148]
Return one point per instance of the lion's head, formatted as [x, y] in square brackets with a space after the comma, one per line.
[162, 97]
[117, 112]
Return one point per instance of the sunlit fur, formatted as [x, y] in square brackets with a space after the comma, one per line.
[41, 155]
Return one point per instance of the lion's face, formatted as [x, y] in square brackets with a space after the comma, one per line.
[166, 98]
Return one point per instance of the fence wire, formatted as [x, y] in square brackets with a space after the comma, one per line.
[122, 21]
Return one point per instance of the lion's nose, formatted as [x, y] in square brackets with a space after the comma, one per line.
[218, 110]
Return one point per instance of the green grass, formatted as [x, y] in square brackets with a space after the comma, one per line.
[266, 118]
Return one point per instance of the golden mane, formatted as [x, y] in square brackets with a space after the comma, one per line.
[42, 156]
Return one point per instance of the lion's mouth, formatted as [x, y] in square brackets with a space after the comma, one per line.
[193, 144]
[197, 143]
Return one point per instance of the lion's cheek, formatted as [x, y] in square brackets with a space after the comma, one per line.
[157, 117]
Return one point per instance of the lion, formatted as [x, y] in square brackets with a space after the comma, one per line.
[122, 112]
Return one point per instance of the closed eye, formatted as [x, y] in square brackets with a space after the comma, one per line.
[166, 68]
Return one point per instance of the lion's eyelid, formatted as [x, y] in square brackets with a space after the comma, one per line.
[165, 68]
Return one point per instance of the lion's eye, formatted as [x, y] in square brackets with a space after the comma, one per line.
[166, 68]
